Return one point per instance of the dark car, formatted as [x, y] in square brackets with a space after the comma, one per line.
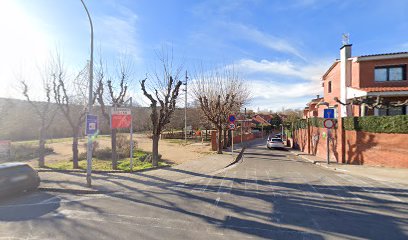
[16, 178]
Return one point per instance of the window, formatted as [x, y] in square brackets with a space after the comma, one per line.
[390, 73]
[329, 87]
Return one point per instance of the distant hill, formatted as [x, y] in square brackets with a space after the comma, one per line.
[18, 121]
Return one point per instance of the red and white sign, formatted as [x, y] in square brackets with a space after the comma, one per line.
[328, 123]
[121, 118]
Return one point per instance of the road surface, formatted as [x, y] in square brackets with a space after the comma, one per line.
[270, 195]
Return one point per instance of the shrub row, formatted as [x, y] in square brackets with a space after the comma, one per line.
[315, 122]
[378, 124]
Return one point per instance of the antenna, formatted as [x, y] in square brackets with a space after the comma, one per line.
[345, 38]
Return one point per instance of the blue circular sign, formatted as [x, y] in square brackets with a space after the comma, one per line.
[231, 118]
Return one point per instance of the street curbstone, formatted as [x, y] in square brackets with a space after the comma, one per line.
[73, 191]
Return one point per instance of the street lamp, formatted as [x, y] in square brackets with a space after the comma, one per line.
[89, 145]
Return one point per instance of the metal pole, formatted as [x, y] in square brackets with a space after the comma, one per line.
[232, 142]
[89, 146]
[327, 143]
[241, 132]
[131, 136]
[185, 112]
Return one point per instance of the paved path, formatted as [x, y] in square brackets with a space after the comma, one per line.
[270, 195]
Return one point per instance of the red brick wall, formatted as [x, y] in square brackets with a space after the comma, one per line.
[374, 149]
[367, 73]
[318, 142]
[377, 149]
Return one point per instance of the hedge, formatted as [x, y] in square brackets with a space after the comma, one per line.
[301, 123]
[377, 124]
[315, 122]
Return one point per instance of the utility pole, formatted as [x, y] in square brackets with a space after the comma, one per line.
[89, 145]
[185, 110]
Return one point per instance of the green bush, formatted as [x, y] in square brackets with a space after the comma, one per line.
[301, 123]
[378, 124]
[21, 152]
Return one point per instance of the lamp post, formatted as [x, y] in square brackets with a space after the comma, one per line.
[89, 145]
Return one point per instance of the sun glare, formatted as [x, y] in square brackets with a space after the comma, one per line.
[22, 46]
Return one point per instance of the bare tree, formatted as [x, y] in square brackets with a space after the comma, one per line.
[220, 93]
[162, 94]
[73, 104]
[115, 96]
[44, 112]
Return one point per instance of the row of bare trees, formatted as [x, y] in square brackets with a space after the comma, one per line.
[219, 93]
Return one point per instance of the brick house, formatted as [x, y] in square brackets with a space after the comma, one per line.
[379, 77]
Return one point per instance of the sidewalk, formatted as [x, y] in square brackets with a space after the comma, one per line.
[397, 175]
[75, 181]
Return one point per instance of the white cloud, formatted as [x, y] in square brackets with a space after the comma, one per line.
[312, 72]
[119, 33]
[263, 39]
[268, 89]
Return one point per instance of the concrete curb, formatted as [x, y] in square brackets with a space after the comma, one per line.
[98, 171]
[74, 191]
[324, 165]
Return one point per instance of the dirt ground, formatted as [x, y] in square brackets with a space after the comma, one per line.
[172, 151]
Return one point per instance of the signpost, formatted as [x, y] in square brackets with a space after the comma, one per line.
[231, 118]
[232, 127]
[91, 124]
[328, 124]
[328, 113]
[122, 118]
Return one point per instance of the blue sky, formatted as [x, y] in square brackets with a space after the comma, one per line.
[281, 48]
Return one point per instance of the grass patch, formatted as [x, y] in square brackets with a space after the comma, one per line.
[181, 141]
[106, 165]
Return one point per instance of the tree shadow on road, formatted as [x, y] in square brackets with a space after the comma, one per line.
[258, 206]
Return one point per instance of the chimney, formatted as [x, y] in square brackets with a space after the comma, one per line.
[317, 96]
[345, 72]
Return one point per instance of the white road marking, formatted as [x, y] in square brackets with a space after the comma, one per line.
[376, 195]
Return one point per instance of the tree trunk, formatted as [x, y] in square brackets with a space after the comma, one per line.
[41, 148]
[225, 139]
[114, 153]
[219, 141]
[155, 150]
[75, 150]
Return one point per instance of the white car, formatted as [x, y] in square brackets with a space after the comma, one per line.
[274, 143]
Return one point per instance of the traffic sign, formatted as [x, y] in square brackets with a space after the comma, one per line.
[121, 118]
[91, 124]
[231, 118]
[328, 113]
[232, 126]
[328, 123]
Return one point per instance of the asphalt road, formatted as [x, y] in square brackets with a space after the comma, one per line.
[270, 195]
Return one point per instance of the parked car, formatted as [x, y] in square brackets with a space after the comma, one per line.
[16, 178]
[274, 143]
